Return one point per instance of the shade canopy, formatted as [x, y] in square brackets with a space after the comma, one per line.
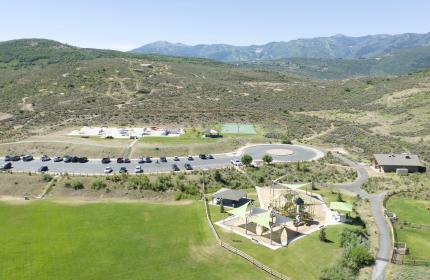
[294, 186]
[240, 211]
[262, 219]
[341, 206]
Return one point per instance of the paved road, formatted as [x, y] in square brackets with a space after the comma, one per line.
[94, 166]
[384, 252]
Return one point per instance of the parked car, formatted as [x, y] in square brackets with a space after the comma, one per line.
[15, 158]
[105, 160]
[176, 158]
[57, 159]
[5, 166]
[67, 159]
[27, 158]
[75, 159]
[43, 168]
[123, 170]
[175, 167]
[202, 156]
[45, 158]
[188, 166]
[82, 159]
[190, 158]
[236, 162]
[126, 160]
[210, 157]
[120, 160]
[148, 159]
[163, 159]
[108, 170]
[138, 169]
[141, 160]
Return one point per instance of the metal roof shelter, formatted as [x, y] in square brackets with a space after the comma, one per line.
[392, 162]
[398, 159]
[229, 194]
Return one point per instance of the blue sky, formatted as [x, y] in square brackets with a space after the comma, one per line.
[127, 24]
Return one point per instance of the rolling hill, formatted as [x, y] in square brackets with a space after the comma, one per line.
[45, 88]
[400, 62]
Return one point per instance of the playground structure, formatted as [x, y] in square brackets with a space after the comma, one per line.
[286, 213]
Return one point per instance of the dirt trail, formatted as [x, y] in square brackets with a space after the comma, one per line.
[26, 106]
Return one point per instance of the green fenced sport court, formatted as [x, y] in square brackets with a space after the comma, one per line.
[235, 128]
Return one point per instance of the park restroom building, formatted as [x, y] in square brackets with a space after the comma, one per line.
[395, 162]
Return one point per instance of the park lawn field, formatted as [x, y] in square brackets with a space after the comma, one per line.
[303, 259]
[413, 211]
[417, 240]
[48, 240]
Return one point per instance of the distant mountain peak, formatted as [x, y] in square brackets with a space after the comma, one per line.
[336, 46]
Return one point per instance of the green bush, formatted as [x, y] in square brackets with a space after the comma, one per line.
[140, 182]
[47, 177]
[77, 185]
[98, 184]
[357, 257]
[246, 159]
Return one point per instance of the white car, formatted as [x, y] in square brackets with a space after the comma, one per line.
[138, 169]
[236, 162]
[176, 158]
[108, 170]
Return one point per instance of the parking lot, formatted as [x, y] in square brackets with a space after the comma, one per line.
[96, 167]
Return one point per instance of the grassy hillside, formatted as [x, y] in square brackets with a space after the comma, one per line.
[363, 115]
[17, 54]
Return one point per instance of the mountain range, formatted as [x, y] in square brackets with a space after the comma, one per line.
[338, 46]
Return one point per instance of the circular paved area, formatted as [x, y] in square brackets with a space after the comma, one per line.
[289, 152]
[280, 152]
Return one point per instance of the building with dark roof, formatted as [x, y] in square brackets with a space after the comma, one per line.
[394, 162]
[229, 197]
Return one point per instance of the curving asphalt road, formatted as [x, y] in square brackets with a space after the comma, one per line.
[384, 252]
[95, 167]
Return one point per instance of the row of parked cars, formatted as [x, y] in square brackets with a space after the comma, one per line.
[105, 160]
[47, 158]
[139, 169]
[142, 160]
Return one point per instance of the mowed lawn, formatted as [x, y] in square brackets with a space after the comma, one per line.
[303, 259]
[412, 211]
[47, 240]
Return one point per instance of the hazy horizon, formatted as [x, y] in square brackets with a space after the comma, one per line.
[108, 25]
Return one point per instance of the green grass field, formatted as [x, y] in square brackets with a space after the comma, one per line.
[412, 211]
[303, 259]
[47, 240]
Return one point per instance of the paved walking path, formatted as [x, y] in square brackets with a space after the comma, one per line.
[384, 246]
